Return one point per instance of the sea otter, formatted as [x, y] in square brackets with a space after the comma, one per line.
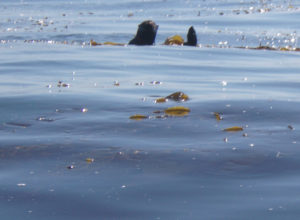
[146, 33]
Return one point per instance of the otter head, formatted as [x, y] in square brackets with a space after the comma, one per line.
[146, 33]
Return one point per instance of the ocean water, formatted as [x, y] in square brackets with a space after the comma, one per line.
[69, 149]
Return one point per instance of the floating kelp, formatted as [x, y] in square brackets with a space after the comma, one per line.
[89, 160]
[218, 116]
[174, 40]
[271, 48]
[235, 128]
[161, 100]
[113, 43]
[177, 111]
[94, 43]
[138, 117]
[176, 96]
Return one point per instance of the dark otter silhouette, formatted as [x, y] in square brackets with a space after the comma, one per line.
[146, 33]
[191, 37]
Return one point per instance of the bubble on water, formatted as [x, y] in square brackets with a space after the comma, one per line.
[224, 83]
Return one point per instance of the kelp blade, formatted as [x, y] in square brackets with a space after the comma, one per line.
[177, 111]
[235, 128]
[174, 40]
[138, 117]
[113, 43]
[161, 100]
[94, 43]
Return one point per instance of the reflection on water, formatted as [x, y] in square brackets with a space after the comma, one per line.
[69, 149]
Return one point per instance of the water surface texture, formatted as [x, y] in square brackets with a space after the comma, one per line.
[69, 149]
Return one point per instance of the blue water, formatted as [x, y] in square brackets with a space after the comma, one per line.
[156, 168]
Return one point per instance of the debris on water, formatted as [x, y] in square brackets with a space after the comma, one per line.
[89, 160]
[291, 127]
[174, 40]
[245, 135]
[155, 82]
[218, 116]
[177, 111]
[130, 14]
[251, 145]
[139, 83]
[278, 154]
[287, 48]
[176, 96]
[235, 128]
[49, 86]
[42, 118]
[62, 84]
[21, 184]
[161, 116]
[116, 83]
[226, 140]
[123, 186]
[138, 117]
[71, 167]
[84, 110]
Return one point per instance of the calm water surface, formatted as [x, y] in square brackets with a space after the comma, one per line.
[157, 168]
